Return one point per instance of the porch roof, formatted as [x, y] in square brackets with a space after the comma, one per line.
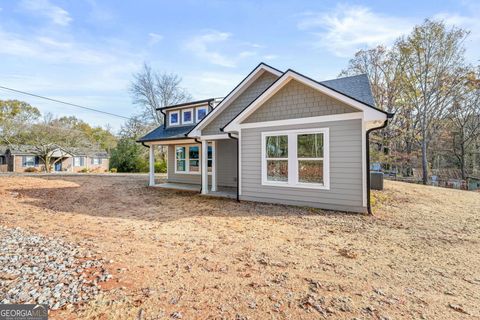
[169, 133]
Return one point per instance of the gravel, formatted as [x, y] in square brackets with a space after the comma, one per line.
[44, 270]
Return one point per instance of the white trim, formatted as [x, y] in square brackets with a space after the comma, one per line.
[204, 166]
[187, 159]
[364, 165]
[239, 162]
[151, 166]
[297, 121]
[170, 113]
[293, 159]
[215, 137]
[369, 113]
[255, 74]
[198, 109]
[214, 166]
[167, 142]
[191, 116]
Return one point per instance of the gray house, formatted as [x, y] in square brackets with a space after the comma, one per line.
[277, 137]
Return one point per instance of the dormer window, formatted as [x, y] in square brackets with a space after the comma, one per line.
[174, 118]
[201, 112]
[187, 116]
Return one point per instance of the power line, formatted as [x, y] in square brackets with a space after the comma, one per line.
[63, 102]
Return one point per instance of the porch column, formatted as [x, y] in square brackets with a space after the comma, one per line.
[151, 166]
[214, 165]
[204, 161]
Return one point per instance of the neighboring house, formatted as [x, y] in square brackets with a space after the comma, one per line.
[277, 137]
[23, 158]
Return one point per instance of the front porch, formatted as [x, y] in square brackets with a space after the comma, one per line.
[223, 192]
[205, 166]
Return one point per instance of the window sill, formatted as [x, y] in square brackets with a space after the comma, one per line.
[297, 185]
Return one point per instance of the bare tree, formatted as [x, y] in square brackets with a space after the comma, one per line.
[153, 90]
[465, 119]
[432, 72]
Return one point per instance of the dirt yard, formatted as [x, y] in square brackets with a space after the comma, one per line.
[178, 255]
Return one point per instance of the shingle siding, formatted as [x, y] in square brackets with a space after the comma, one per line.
[346, 190]
[296, 100]
[243, 100]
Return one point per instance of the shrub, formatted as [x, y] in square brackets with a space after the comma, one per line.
[161, 166]
[31, 169]
[113, 170]
[84, 170]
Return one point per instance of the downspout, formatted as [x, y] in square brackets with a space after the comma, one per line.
[238, 167]
[164, 117]
[367, 137]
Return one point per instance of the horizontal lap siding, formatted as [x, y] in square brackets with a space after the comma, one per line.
[227, 163]
[226, 166]
[178, 177]
[345, 169]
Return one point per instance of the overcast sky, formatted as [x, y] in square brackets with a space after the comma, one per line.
[85, 52]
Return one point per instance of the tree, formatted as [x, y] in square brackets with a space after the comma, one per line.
[51, 140]
[128, 156]
[15, 117]
[433, 64]
[465, 119]
[152, 90]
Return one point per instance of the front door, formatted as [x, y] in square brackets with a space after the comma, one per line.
[58, 166]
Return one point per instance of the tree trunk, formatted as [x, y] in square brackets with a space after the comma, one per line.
[424, 159]
[462, 160]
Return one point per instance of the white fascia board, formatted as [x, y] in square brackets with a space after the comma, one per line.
[370, 114]
[297, 121]
[167, 142]
[254, 75]
[215, 137]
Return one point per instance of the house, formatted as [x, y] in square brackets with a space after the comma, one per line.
[277, 137]
[24, 158]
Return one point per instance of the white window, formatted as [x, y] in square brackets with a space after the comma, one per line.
[29, 161]
[96, 161]
[174, 118]
[78, 161]
[187, 116]
[187, 159]
[201, 112]
[296, 158]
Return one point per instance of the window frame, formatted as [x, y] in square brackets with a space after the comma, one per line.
[24, 161]
[177, 112]
[187, 159]
[191, 117]
[81, 159]
[293, 173]
[198, 109]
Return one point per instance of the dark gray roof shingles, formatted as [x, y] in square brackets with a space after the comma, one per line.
[356, 87]
[162, 133]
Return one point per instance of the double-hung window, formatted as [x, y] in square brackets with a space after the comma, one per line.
[296, 158]
[187, 159]
[187, 116]
[174, 118]
[78, 161]
[29, 161]
[201, 112]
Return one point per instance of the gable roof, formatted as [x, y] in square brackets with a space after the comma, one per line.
[340, 89]
[252, 76]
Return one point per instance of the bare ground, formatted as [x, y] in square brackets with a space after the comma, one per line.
[180, 255]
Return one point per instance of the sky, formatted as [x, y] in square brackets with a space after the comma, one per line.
[86, 51]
